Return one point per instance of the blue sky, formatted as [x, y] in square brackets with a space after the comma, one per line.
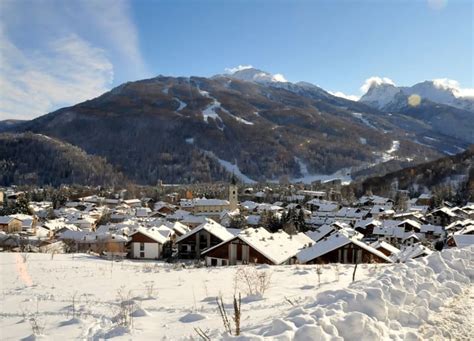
[56, 53]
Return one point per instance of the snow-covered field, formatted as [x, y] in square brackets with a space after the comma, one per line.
[420, 299]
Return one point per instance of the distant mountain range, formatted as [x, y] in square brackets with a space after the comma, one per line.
[388, 96]
[253, 124]
[455, 171]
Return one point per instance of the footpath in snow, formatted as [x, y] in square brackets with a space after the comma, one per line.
[428, 298]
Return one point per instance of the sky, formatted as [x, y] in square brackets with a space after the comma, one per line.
[55, 53]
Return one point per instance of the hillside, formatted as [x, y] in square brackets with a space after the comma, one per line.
[31, 159]
[455, 171]
[201, 129]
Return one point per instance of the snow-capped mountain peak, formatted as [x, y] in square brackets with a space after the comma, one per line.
[380, 95]
[258, 76]
[440, 91]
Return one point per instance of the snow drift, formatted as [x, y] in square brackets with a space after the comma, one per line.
[403, 303]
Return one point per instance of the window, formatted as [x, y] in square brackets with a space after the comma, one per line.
[213, 262]
[224, 262]
[142, 254]
[142, 246]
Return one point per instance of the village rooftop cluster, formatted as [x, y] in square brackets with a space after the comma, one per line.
[250, 226]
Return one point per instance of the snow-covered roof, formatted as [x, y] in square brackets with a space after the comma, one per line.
[333, 242]
[320, 232]
[411, 222]
[153, 233]
[212, 227]
[380, 244]
[6, 219]
[278, 247]
[463, 240]
[178, 227]
[410, 252]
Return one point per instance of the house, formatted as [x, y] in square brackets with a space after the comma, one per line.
[366, 226]
[28, 222]
[10, 224]
[411, 252]
[321, 232]
[344, 246]
[133, 203]
[441, 216]
[149, 243]
[206, 235]
[410, 239]
[463, 237]
[179, 228]
[384, 247]
[257, 246]
[410, 225]
[424, 200]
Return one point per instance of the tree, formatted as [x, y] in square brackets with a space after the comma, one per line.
[238, 222]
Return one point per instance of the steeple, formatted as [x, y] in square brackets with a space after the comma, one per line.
[233, 193]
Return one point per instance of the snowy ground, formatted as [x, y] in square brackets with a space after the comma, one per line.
[426, 299]
[181, 300]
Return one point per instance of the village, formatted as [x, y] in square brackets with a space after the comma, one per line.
[266, 226]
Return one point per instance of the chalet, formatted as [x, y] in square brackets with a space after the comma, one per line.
[411, 252]
[257, 246]
[133, 203]
[10, 224]
[179, 228]
[441, 216]
[149, 244]
[384, 247]
[432, 231]
[28, 222]
[366, 226]
[463, 237]
[424, 200]
[321, 232]
[409, 225]
[410, 239]
[206, 235]
[344, 246]
[322, 205]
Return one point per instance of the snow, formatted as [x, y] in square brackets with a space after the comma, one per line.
[419, 300]
[210, 110]
[181, 296]
[364, 120]
[307, 178]
[182, 105]
[190, 140]
[232, 168]
[388, 155]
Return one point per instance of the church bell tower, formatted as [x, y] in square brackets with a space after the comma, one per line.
[233, 194]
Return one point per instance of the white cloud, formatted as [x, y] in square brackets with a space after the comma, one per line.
[56, 53]
[343, 95]
[237, 68]
[454, 86]
[35, 82]
[375, 81]
[278, 77]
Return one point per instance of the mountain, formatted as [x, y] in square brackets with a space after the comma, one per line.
[385, 96]
[32, 159]
[9, 124]
[251, 123]
[196, 129]
[455, 171]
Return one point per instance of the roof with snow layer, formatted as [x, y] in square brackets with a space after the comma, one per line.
[278, 247]
[333, 242]
[212, 227]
